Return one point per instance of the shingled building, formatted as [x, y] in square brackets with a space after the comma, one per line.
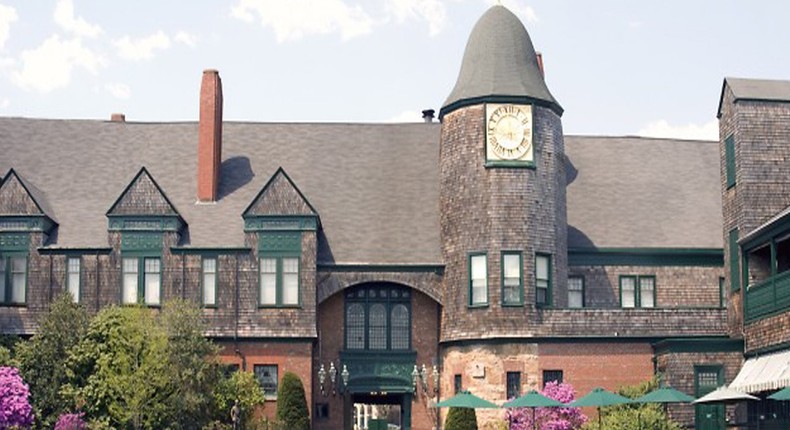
[394, 264]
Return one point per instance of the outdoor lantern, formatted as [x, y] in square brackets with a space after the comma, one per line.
[414, 375]
[332, 375]
[424, 378]
[344, 374]
[321, 377]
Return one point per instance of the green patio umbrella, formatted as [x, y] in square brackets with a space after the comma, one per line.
[599, 397]
[533, 400]
[666, 396]
[783, 394]
[465, 399]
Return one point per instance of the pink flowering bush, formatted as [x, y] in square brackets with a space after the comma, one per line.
[549, 418]
[15, 410]
[71, 422]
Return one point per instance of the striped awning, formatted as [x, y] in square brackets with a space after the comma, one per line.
[763, 373]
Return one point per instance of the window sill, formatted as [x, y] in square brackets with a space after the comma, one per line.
[512, 305]
[213, 307]
[279, 306]
[13, 305]
[510, 164]
[477, 306]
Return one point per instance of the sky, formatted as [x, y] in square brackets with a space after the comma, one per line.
[618, 67]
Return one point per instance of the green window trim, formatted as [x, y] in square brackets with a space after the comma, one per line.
[74, 277]
[141, 274]
[483, 277]
[639, 301]
[544, 283]
[281, 260]
[580, 278]
[735, 273]
[507, 276]
[267, 376]
[209, 269]
[729, 161]
[11, 266]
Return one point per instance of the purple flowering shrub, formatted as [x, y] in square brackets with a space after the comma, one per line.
[71, 422]
[549, 418]
[15, 410]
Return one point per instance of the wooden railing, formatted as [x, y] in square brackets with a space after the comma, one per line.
[769, 297]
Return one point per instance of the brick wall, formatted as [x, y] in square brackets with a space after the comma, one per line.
[425, 340]
[293, 357]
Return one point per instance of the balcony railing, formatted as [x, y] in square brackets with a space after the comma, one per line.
[769, 297]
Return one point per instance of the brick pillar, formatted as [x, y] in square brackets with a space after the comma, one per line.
[209, 136]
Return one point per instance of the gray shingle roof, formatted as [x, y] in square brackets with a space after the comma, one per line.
[756, 90]
[643, 192]
[487, 73]
[375, 186]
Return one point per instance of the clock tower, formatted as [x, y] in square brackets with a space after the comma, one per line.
[502, 206]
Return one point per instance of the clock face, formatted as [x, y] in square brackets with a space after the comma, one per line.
[509, 132]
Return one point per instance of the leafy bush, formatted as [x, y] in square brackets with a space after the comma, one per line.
[636, 417]
[41, 359]
[15, 410]
[292, 412]
[549, 418]
[461, 419]
[242, 386]
[71, 422]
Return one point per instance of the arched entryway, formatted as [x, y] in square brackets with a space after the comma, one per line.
[378, 332]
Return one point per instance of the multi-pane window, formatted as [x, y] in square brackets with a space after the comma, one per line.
[513, 384]
[512, 285]
[575, 292]
[279, 281]
[13, 279]
[542, 280]
[378, 318]
[478, 280]
[209, 278]
[73, 277]
[552, 376]
[141, 280]
[267, 378]
[637, 291]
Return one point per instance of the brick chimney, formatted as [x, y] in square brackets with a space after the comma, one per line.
[117, 117]
[539, 57]
[209, 136]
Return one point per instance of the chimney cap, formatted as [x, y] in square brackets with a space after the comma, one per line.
[117, 117]
[428, 115]
[211, 71]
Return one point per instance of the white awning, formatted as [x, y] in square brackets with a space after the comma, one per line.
[763, 373]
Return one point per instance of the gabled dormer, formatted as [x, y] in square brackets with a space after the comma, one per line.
[23, 207]
[143, 206]
[283, 224]
[143, 225]
[280, 205]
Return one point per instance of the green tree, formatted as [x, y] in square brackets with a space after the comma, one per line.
[118, 372]
[635, 417]
[461, 419]
[243, 386]
[192, 369]
[292, 410]
[41, 358]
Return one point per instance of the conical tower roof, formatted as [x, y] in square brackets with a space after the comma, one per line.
[499, 66]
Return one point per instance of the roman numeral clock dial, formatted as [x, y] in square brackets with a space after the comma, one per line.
[509, 133]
